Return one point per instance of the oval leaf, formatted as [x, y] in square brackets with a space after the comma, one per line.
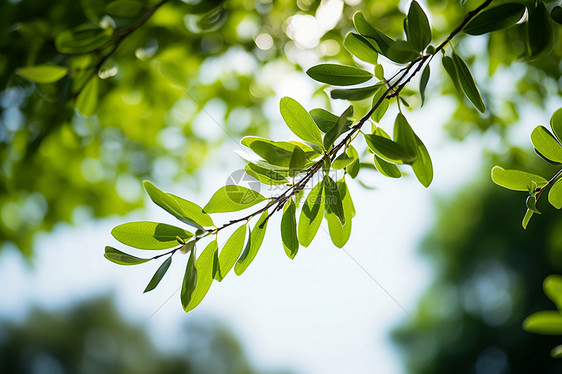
[189, 282]
[552, 287]
[360, 48]
[333, 199]
[556, 124]
[555, 194]
[339, 75]
[379, 40]
[418, 29]
[299, 121]
[386, 168]
[87, 100]
[254, 243]
[387, 149]
[545, 323]
[516, 180]
[204, 268]
[43, 73]
[311, 215]
[121, 258]
[231, 251]
[338, 233]
[324, 119]
[157, 277]
[289, 229]
[354, 94]
[149, 235]
[497, 18]
[467, 83]
[545, 143]
[232, 198]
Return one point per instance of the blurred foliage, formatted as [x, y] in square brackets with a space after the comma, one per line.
[93, 338]
[172, 86]
[488, 273]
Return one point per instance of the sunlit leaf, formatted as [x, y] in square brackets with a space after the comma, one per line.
[299, 121]
[289, 229]
[354, 168]
[545, 143]
[419, 31]
[386, 168]
[266, 176]
[360, 48]
[516, 180]
[555, 194]
[121, 258]
[274, 152]
[254, 243]
[339, 75]
[527, 218]
[333, 199]
[342, 126]
[189, 282]
[422, 166]
[231, 251]
[544, 322]
[43, 73]
[467, 83]
[311, 215]
[404, 134]
[531, 203]
[149, 235]
[552, 286]
[232, 198]
[297, 162]
[324, 119]
[388, 149]
[556, 352]
[157, 277]
[342, 161]
[556, 124]
[87, 100]
[379, 40]
[381, 109]
[338, 233]
[497, 18]
[204, 268]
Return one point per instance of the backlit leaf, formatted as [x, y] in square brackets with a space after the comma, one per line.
[516, 180]
[388, 149]
[556, 124]
[121, 258]
[342, 126]
[339, 75]
[149, 235]
[423, 82]
[338, 233]
[333, 199]
[43, 73]
[544, 322]
[401, 52]
[299, 121]
[268, 177]
[204, 268]
[189, 282]
[232, 198]
[380, 111]
[231, 251]
[311, 215]
[418, 29]
[555, 194]
[82, 39]
[545, 143]
[467, 83]
[289, 229]
[360, 48]
[404, 135]
[157, 277]
[552, 286]
[386, 168]
[254, 243]
[324, 119]
[527, 218]
[422, 166]
[379, 40]
[451, 70]
[354, 94]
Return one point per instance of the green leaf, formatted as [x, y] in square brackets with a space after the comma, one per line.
[386, 168]
[401, 52]
[360, 48]
[216, 266]
[189, 282]
[333, 199]
[354, 94]
[121, 258]
[43, 73]
[82, 39]
[527, 218]
[404, 135]
[124, 8]
[531, 203]
[343, 125]
[149, 235]
[555, 194]
[388, 149]
[231, 251]
[379, 40]
[311, 215]
[497, 18]
[275, 153]
[544, 322]
[289, 229]
[299, 121]
[298, 162]
[418, 29]
[342, 161]
[204, 269]
[545, 143]
[516, 180]
[338, 233]
[266, 176]
[423, 82]
[340, 75]
[254, 243]
[539, 30]
[87, 100]
[232, 198]
[380, 111]
[451, 70]
[556, 124]
[467, 83]
[323, 119]
[422, 166]
[556, 352]
[552, 287]
[184, 210]
[354, 168]
[158, 275]
[556, 14]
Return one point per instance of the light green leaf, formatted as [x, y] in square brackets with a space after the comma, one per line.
[231, 251]
[43, 73]
[531, 203]
[324, 119]
[386, 168]
[544, 322]
[354, 94]
[422, 166]
[232, 198]
[404, 135]
[254, 243]
[552, 287]
[339, 75]
[379, 40]
[556, 352]
[124, 8]
[289, 229]
[157, 277]
[497, 18]
[149, 235]
[87, 100]
[360, 48]
[355, 166]
[204, 268]
[184, 210]
[546, 144]
[388, 149]
[338, 233]
[299, 121]
[380, 111]
[555, 194]
[418, 29]
[82, 39]
[467, 83]
[311, 215]
[333, 199]
[527, 218]
[189, 282]
[268, 177]
[556, 124]
[342, 126]
[298, 162]
[423, 82]
[121, 258]
[275, 153]
[516, 180]
[342, 161]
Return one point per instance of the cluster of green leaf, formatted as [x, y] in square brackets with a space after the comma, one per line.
[549, 147]
[549, 322]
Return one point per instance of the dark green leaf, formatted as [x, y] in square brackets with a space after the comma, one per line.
[422, 166]
[299, 121]
[204, 268]
[289, 229]
[340, 75]
[418, 29]
[467, 83]
[354, 94]
[324, 119]
[232, 198]
[158, 275]
[545, 323]
[266, 176]
[184, 210]
[540, 37]
[379, 40]
[556, 124]
[556, 14]
[189, 282]
[386, 168]
[254, 243]
[298, 161]
[149, 235]
[87, 100]
[497, 18]
[82, 39]
[121, 258]
[381, 109]
[404, 135]
[423, 82]
[43, 73]
[275, 153]
[360, 48]
[555, 194]
[311, 215]
[333, 199]
[451, 70]
[516, 180]
[354, 168]
[124, 8]
[401, 52]
[338, 233]
[387, 149]
[231, 251]
[545, 143]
